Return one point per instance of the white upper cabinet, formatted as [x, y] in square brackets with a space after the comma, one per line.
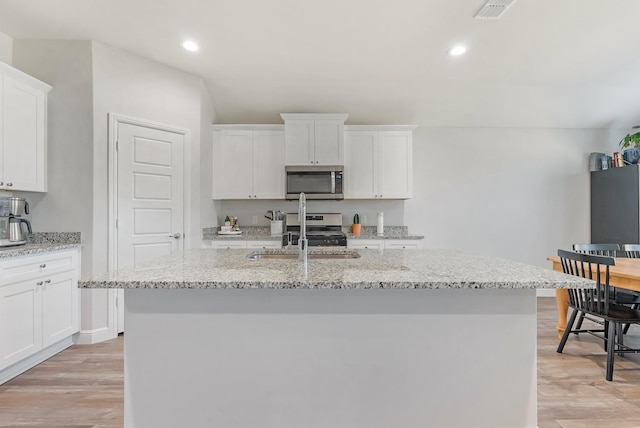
[248, 162]
[378, 162]
[23, 125]
[314, 139]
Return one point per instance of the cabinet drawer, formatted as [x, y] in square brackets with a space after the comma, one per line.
[400, 245]
[366, 244]
[263, 244]
[228, 244]
[27, 267]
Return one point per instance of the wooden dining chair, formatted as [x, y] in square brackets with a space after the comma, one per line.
[596, 304]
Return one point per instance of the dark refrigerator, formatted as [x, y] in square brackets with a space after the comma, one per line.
[615, 205]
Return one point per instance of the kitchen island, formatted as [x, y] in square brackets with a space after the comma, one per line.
[395, 338]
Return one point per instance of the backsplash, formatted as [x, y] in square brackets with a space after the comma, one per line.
[373, 230]
[368, 209]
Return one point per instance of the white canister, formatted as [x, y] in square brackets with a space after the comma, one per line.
[276, 227]
[380, 225]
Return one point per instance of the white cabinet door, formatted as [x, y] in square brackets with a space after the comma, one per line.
[20, 322]
[365, 244]
[329, 142]
[268, 164]
[264, 244]
[23, 137]
[378, 163]
[361, 156]
[314, 139]
[233, 165]
[248, 164]
[400, 244]
[299, 142]
[224, 244]
[59, 307]
[395, 173]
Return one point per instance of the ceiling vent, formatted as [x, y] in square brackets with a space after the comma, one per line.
[493, 9]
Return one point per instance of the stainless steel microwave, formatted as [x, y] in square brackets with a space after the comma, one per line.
[317, 182]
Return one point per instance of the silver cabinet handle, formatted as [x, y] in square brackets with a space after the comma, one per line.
[39, 283]
[311, 162]
[43, 265]
[48, 281]
[1, 183]
[9, 184]
[175, 236]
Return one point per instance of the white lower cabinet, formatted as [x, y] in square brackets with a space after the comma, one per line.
[402, 244]
[384, 244]
[365, 244]
[264, 244]
[228, 244]
[39, 307]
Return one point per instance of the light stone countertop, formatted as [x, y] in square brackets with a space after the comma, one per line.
[388, 269]
[43, 242]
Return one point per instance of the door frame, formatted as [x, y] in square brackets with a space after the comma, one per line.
[115, 120]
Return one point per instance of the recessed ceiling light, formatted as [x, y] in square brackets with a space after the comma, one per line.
[190, 45]
[457, 50]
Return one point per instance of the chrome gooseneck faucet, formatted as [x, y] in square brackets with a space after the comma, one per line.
[302, 219]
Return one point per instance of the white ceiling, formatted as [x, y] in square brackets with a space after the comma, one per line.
[544, 63]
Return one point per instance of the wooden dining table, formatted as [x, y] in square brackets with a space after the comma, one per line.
[625, 274]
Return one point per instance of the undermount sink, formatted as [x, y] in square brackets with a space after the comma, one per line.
[279, 255]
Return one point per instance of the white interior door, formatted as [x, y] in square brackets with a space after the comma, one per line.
[149, 189]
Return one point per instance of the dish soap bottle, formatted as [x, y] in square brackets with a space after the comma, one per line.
[380, 226]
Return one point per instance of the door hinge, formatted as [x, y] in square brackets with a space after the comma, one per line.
[116, 145]
[116, 223]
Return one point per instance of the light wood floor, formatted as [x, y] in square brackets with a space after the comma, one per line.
[82, 387]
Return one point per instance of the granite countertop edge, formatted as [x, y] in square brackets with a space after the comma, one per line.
[371, 269]
[215, 285]
[28, 249]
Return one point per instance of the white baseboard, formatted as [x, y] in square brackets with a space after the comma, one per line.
[32, 361]
[89, 337]
[546, 292]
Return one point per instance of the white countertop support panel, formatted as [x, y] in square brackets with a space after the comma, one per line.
[330, 358]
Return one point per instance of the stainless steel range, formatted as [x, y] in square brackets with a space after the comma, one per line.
[323, 230]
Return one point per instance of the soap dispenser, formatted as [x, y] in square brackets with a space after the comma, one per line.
[380, 228]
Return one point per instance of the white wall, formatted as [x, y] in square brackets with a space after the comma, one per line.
[67, 206]
[208, 212]
[133, 86]
[6, 49]
[514, 193]
[91, 80]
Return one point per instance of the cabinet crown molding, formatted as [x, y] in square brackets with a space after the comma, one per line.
[247, 127]
[21, 76]
[314, 116]
[380, 127]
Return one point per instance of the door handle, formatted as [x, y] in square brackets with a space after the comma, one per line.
[175, 236]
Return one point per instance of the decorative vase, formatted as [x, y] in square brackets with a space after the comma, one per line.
[631, 156]
[355, 229]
